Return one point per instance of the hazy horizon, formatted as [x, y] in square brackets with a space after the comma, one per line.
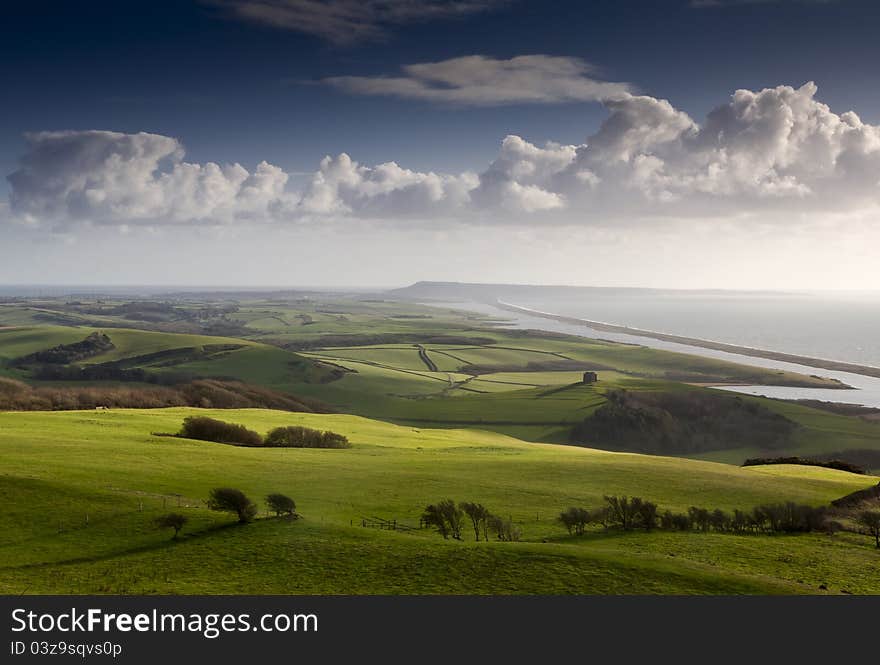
[122, 288]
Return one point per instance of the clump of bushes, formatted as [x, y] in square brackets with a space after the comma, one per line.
[219, 431]
[304, 437]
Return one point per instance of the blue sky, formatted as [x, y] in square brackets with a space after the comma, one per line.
[225, 87]
[232, 88]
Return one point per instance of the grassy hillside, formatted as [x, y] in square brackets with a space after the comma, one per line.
[60, 467]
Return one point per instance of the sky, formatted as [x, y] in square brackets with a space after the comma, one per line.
[279, 143]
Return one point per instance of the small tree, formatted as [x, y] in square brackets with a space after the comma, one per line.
[646, 513]
[504, 528]
[870, 519]
[720, 520]
[433, 516]
[700, 518]
[568, 519]
[453, 515]
[281, 505]
[575, 520]
[226, 499]
[478, 513]
[174, 521]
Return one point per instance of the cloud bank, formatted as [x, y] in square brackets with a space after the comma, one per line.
[775, 153]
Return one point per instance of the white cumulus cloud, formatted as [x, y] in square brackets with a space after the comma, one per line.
[110, 177]
[775, 153]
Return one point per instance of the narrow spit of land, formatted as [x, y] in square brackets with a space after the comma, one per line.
[823, 363]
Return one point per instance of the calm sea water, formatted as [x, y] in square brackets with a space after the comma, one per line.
[835, 326]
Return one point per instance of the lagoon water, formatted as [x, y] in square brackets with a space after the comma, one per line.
[843, 328]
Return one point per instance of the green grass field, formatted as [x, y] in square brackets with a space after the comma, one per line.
[61, 467]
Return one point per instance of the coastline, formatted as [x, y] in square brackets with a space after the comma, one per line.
[821, 363]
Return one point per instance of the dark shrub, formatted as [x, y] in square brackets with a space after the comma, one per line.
[226, 499]
[281, 505]
[304, 437]
[209, 429]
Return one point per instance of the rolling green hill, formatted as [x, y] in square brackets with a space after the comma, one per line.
[86, 485]
[417, 365]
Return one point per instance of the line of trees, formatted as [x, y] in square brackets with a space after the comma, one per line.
[630, 513]
[448, 517]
